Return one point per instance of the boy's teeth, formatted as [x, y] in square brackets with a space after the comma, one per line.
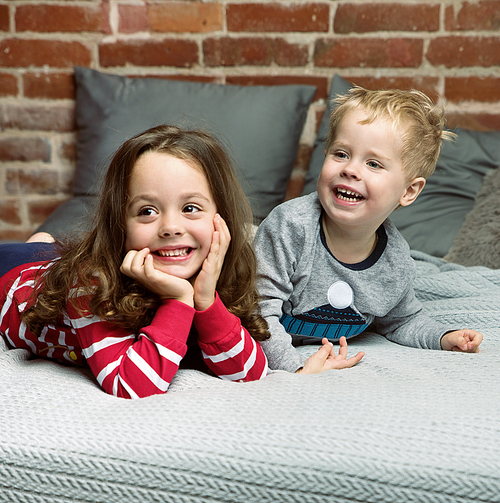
[348, 195]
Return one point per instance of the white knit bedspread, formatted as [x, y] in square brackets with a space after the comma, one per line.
[404, 425]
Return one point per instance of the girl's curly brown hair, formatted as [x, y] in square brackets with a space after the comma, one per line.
[93, 262]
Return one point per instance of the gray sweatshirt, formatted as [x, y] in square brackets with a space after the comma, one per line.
[307, 294]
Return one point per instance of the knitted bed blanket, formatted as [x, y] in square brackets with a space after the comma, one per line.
[404, 425]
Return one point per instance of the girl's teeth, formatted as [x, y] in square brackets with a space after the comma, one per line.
[173, 253]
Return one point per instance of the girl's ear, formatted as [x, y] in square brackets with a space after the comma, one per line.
[412, 191]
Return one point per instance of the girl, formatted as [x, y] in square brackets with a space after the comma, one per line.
[136, 297]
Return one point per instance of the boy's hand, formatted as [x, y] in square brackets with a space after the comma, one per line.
[206, 280]
[139, 266]
[325, 358]
[466, 341]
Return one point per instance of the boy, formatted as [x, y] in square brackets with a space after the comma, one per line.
[331, 263]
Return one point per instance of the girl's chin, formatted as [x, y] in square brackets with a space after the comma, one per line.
[177, 270]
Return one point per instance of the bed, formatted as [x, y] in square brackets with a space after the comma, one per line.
[403, 425]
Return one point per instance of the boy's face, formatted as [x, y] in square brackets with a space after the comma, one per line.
[362, 180]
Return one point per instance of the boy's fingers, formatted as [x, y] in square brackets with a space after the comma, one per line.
[324, 351]
[343, 347]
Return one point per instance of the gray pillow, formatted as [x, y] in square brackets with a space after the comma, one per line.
[431, 223]
[339, 86]
[260, 126]
[478, 241]
[70, 218]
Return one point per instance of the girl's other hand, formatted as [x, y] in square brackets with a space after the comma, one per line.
[206, 280]
[325, 358]
[139, 266]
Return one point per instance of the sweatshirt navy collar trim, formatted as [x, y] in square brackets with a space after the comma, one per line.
[368, 262]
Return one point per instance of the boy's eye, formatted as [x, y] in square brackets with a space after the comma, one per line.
[340, 155]
[374, 164]
[191, 208]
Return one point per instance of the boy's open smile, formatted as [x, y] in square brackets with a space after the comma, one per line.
[347, 195]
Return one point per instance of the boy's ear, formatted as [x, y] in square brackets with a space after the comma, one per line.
[412, 191]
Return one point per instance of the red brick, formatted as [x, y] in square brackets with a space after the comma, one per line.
[105, 15]
[476, 122]
[483, 15]
[49, 85]
[373, 52]
[10, 212]
[272, 80]
[58, 18]
[485, 89]
[295, 185]
[133, 18]
[370, 17]
[4, 18]
[55, 53]
[185, 17]
[35, 117]
[15, 234]
[24, 149]
[8, 84]
[287, 54]
[169, 52]
[253, 51]
[68, 150]
[464, 51]
[297, 179]
[37, 181]
[39, 211]
[240, 51]
[275, 17]
[428, 85]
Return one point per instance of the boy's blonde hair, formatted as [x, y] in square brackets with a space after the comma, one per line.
[419, 120]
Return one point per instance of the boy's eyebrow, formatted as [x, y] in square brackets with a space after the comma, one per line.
[341, 144]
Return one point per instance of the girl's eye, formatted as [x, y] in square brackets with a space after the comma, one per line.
[340, 155]
[191, 208]
[147, 212]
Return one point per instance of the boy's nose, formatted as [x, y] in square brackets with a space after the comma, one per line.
[351, 171]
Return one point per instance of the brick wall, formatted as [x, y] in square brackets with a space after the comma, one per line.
[448, 48]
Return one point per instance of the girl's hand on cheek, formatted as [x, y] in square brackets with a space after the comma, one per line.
[139, 266]
[206, 281]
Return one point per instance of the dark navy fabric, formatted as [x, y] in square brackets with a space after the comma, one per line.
[15, 254]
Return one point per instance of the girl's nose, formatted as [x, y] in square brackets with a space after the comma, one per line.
[170, 226]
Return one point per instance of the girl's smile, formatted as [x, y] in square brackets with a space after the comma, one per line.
[171, 212]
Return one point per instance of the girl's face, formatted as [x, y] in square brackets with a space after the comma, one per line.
[170, 210]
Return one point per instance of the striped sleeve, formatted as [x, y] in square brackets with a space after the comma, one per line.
[133, 367]
[227, 347]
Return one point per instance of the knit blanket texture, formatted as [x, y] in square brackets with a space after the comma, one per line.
[404, 425]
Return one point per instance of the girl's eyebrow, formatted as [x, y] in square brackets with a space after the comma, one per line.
[148, 198]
